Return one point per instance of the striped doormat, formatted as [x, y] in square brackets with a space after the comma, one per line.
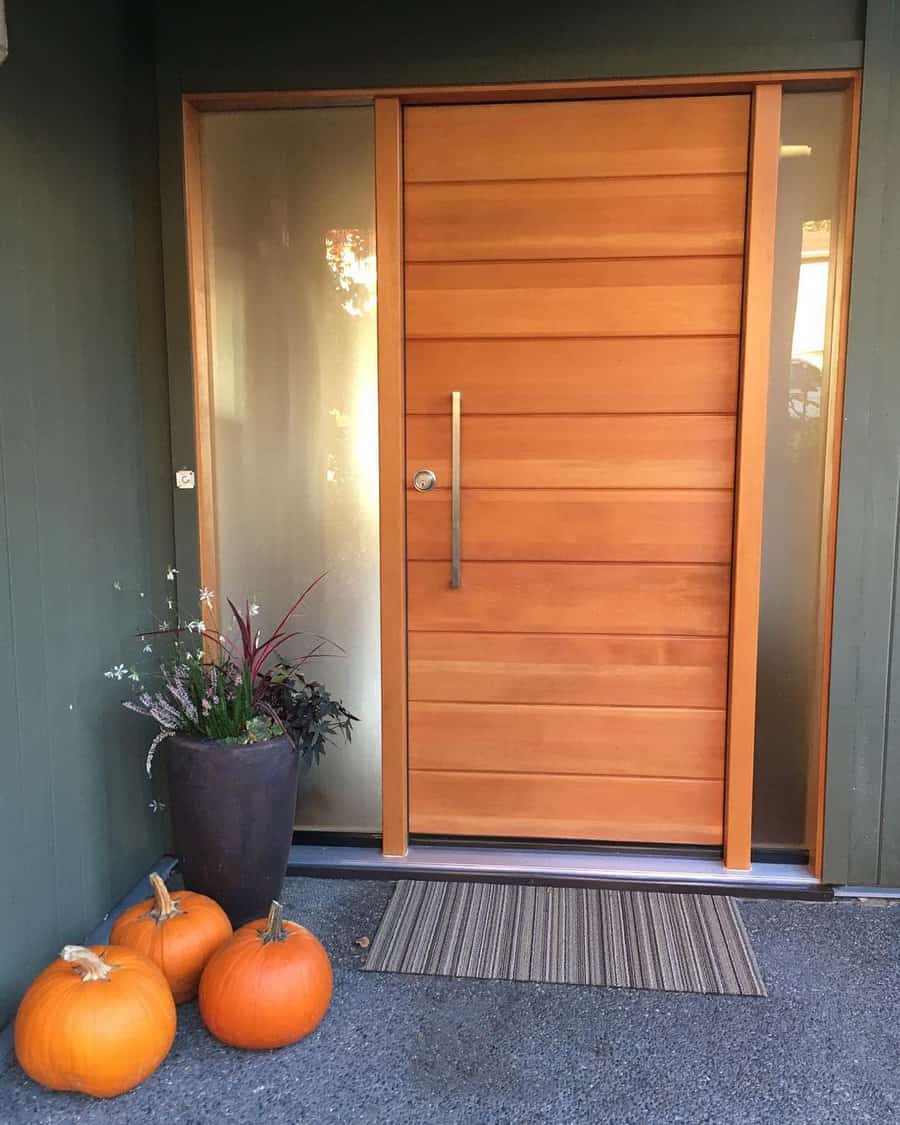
[567, 935]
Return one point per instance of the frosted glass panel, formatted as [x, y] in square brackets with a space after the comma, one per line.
[289, 226]
[812, 175]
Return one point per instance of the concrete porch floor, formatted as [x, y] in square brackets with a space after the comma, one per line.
[824, 1047]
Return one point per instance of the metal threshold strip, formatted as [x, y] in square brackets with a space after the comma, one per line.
[549, 865]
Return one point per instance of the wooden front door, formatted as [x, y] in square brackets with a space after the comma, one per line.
[574, 271]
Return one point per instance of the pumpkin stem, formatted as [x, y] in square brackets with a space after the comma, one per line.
[86, 963]
[165, 906]
[274, 928]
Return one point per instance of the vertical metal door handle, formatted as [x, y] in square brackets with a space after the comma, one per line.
[455, 564]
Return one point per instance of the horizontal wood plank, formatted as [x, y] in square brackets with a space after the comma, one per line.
[617, 297]
[597, 741]
[580, 525]
[635, 217]
[548, 668]
[509, 597]
[659, 375]
[641, 136]
[600, 451]
[539, 807]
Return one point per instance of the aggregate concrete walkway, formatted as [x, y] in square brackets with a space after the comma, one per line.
[825, 1046]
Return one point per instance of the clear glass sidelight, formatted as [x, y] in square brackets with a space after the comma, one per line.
[289, 213]
[809, 238]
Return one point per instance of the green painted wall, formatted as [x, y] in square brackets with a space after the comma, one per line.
[83, 468]
[863, 792]
[359, 42]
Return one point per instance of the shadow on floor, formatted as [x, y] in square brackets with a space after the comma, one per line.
[824, 1047]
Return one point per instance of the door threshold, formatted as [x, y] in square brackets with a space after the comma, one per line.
[557, 867]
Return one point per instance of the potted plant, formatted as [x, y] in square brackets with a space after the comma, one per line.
[237, 719]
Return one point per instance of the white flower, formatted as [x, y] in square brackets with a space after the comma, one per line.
[140, 593]
[117, 585]
[170, 574]
[206, 595]
[253, 609]
[169, 603]
[117, 672]
[196, 627]
[147, 648]
[135, 677]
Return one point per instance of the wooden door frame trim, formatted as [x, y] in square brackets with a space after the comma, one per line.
[389, 103]
[392, 474]
[750, 469]
[199, 298]
[743, 83]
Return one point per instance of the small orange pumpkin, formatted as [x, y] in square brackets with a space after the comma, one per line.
[97, 1020]
[267, 987]
[178, 933]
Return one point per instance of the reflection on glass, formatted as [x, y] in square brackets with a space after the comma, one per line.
[350, 255]
[289, 221]
[812, 174]
[810, 322]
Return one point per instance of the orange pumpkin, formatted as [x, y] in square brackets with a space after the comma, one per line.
[97, 1020]
[267, 987]
[178, 933]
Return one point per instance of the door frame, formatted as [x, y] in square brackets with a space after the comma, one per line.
[765, 90]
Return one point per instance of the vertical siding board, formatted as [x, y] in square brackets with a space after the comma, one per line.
[114, 433]
[155, 548]
[60, 511]
[889, 819]
[178, 329]
[31, 360]
[20, 780]
[865, 575]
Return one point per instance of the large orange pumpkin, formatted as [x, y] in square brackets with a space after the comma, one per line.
[97, 1020]
[179, 933]
[267, 987]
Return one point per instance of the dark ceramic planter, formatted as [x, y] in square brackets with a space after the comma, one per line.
[233, 819]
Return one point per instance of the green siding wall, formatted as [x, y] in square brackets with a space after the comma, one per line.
[84, 468]
[863, 792]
